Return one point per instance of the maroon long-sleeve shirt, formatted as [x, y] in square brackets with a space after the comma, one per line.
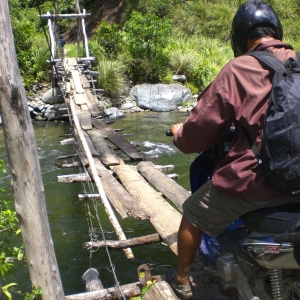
[240, 92]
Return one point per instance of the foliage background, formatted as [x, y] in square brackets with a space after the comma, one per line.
[153, 40]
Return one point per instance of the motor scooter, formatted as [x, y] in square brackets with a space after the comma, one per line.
[258, 256]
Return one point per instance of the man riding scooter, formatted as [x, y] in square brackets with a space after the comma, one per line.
[239, 94]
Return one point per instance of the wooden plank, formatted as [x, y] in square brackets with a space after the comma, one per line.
[117, 140]
[163, 216]
[79, 99]
[77, 83]
[85, 82]
[168, 187]
[85, 118]
[92, 103]
[122, 201]
[106, 154]
[160, 291]
[90, 144]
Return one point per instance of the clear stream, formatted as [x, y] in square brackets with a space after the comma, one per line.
[68, 217]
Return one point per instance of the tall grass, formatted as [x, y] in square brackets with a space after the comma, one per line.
[111, 77]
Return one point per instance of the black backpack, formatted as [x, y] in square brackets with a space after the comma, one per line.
[279, 159]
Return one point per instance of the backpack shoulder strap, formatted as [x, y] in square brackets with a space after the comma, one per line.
[268, 60]
[298, 58]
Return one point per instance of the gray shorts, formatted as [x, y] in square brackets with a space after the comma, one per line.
[212, 212]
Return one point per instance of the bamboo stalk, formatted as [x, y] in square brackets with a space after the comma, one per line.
[106, 204]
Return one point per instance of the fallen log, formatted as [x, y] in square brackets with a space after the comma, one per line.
[67, 141]
[134, 242]
[173, 176]
[164, 168]
[82, 177]
[72, 165]
[67, 156]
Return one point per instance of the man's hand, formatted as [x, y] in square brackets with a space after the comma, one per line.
[175, 128]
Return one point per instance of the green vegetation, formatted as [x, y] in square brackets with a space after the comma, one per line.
[155, 39]
[8, 228]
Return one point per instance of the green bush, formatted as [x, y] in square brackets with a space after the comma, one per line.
[109, 38]
[147, 37]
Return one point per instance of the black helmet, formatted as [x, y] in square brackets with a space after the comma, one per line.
[253, 12]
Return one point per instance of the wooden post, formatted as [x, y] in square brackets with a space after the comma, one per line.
[26, 180]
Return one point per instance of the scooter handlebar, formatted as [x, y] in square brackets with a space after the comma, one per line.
[169, 133]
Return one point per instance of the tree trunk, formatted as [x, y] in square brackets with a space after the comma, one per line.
[26, 180]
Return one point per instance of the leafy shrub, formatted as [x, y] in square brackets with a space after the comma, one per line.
[109, 38]
[147, 38]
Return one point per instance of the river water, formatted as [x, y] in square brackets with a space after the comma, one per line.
[69, 218]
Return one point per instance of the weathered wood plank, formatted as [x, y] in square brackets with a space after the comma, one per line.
[94, 152]
[85, 118]
[79, 99]
[133, 242]
[173, 191]
[163, 216]
[92, 103]
[160, 291]
[84, 81]
[122, 201]
[117, 140]
[106, 154]
[77, 83]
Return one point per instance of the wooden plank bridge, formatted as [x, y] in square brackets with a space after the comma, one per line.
[123, 184]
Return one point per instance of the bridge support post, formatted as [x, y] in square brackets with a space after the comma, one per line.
[26, 180]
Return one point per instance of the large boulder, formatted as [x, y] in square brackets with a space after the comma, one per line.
[113, 113]
[160, 97]
[53, 96]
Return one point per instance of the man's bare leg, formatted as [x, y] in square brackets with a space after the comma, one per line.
[189, 238]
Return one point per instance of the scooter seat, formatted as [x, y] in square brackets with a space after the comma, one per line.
[273, 220]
